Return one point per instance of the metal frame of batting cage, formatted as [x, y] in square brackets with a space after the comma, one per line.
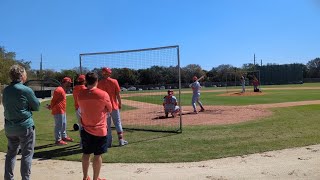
[242, 72]
[179, 130]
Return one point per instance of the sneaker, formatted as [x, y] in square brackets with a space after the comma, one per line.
[61, 143]
[196, 112]
[123, 142]
[202, 110]
[67, 139]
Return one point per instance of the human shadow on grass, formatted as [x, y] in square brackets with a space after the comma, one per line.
[58, 152]
[171, 117]
[147, 139]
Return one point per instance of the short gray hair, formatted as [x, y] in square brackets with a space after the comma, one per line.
[16, 72]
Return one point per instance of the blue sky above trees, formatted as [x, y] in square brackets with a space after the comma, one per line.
[210, 33]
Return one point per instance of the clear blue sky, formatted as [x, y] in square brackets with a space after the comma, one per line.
[209, 32]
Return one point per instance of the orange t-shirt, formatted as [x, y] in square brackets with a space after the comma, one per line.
[59, 101]
[76, 91]
[112, 87]
[94, 104]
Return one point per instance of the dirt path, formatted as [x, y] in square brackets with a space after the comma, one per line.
[296, 163]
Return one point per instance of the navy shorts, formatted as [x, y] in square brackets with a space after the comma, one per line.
[93, 144]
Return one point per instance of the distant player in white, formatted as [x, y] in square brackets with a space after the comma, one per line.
[196, 94]
[170, 104]
[243, 84]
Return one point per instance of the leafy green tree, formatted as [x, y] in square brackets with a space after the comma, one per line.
[189, 71]
[125, 76]
[313, 68]
[7, 59]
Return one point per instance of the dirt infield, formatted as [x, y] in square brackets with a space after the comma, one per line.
[243, 94]
[152, 114]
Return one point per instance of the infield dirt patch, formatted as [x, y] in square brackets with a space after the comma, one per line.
[242, 94]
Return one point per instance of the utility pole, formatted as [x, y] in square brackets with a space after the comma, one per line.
[261, 62]
[40, 73]
[254, 59]
[40, 67]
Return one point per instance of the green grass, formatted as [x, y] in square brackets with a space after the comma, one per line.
[212, 98]
[288, 127]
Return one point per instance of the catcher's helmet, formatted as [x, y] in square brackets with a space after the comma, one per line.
[170, 92]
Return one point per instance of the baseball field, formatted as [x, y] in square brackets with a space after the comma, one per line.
[233, 124]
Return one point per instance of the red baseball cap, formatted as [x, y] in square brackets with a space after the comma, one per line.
[66, 79]
[81, 78]
[107, 70]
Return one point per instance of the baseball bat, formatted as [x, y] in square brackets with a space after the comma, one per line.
[197, 80]
[200, 78]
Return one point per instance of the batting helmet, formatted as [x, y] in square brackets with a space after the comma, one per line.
[170, 92]
[195, 78]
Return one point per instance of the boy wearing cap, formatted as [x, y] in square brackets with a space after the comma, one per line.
[112, 87]
[195, 86]
[58, 110]
[76, 90]
[170, 104]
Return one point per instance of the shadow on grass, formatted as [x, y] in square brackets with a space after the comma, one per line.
[58, 152]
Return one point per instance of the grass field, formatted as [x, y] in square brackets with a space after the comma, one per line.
[212, 98]
[288, 127]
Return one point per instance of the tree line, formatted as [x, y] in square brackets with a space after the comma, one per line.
[155, 75]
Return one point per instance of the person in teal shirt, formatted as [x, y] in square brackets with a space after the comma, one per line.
[19, 101]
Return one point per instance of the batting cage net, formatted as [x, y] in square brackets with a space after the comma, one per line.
[144, 76]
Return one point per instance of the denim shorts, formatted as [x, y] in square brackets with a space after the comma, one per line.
[93, 144]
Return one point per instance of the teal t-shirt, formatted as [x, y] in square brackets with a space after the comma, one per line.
[18, 102]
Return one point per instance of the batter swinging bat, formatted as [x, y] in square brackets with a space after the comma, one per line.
[197, 80]
[200, 78]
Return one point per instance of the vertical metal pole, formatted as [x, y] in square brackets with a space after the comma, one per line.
[179, 73]
[40, 66]
[40, 73]
[80, 64]
[259, 81]
[227, 82]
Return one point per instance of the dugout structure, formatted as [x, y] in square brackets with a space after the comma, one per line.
[233, 79]
[145, 76]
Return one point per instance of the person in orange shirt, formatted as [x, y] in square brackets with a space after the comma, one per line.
[58, 110]
[95, 105]
[112, 87]
[76, 90]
